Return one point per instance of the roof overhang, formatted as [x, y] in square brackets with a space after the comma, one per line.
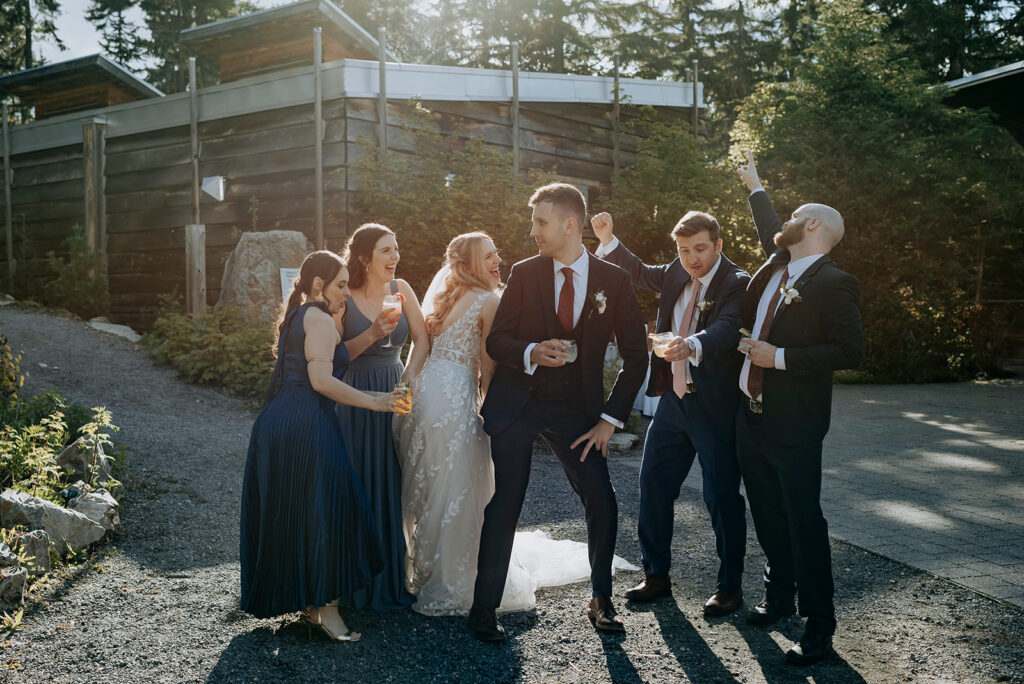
[51, 77]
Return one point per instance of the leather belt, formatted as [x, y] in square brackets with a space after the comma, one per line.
[754, 406]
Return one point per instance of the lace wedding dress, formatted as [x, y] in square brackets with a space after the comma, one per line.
[447, 481]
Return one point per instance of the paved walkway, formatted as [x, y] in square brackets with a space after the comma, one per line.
[931, 476]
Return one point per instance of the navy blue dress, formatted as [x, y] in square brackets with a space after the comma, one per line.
[307, 534]
[374, 459]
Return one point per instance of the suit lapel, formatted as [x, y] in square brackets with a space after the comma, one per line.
[670, 295]
[724, 268]
[804, 279]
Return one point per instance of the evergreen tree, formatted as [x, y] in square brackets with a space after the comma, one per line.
[22, 22]
[118, 35]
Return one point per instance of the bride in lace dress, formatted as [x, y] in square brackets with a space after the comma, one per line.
[447, 475]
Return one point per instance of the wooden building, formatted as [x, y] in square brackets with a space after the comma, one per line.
[125, 172]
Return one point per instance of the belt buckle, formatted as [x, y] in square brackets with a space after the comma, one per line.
[755, 406]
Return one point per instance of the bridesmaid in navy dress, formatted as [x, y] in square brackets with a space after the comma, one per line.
[372, 254]
[307, 533]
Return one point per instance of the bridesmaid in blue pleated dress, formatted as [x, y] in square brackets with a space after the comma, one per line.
[372, 255]
[307, 534]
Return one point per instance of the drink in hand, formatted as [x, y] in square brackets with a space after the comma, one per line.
[391, 304]
[404, 387]
[570, 349]
[660, 342]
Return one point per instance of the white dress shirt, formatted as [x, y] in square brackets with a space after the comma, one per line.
[796, 269]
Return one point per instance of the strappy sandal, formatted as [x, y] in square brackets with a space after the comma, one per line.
[317, 622]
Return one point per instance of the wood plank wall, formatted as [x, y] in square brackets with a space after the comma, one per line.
[267, 158]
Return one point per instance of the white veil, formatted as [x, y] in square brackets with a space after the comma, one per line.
[435, 286]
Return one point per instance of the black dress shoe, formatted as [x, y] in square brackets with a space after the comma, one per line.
[813, 647]
[484, 625]
[650, 588]
[769, 612]
[602, 615]
[723, 602]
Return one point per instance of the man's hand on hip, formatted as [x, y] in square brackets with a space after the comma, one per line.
[596, 437]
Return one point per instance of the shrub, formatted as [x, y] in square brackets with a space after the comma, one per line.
[79, 283]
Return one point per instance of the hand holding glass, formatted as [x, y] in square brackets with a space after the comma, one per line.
[406, 398]
[660, 342]
[391, 303]
[570, 349]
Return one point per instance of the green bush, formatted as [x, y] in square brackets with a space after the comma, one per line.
[226, 351]
[79, 283]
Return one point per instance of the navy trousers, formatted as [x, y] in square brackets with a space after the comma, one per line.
[559, 425]
[681, 430]
[784, 489]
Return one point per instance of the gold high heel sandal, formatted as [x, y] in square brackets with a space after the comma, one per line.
[317, 622]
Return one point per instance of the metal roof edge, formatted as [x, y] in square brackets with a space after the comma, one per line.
[985, 76]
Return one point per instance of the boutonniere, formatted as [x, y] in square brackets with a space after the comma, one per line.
[599, 300]
[705, 305]
[790, 294]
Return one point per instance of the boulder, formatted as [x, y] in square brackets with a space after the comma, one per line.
[622, 441]
[85, 461]
[98, 506]
[115, 329]
[34, 547]
[12, 585]
[252, 276]
[68, 529]
[7, 556]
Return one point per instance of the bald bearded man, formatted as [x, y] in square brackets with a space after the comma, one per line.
[802, 322]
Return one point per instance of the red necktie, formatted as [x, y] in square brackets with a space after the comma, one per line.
[566, 300]
[755, 378]
[679, 367]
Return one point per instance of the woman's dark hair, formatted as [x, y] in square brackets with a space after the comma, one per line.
[359, 248]
[321, 264]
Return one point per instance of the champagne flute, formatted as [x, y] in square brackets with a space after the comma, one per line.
[660, 342]
[390, 303]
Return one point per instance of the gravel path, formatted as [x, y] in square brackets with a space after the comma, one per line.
[158, 603]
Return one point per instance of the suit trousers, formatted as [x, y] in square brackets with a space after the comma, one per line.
[681, 430]
[559, 424]
[783, 485]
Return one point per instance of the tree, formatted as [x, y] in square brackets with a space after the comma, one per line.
[21, 25]
[118, 35]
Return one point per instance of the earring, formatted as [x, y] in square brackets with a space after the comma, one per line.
[319, 297]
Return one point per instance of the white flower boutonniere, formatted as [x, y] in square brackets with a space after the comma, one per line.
[599, 300]
[790, 294]
[705, 305]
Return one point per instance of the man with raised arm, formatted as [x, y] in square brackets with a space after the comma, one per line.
[802, 322]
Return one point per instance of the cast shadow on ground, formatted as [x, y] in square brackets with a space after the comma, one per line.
[770, 656]
[685, 643]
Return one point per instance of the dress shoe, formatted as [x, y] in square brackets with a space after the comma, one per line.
[769, 612]
[813, 647]
[723, 602]
[650, 588]
[602, 614]
[484, 625]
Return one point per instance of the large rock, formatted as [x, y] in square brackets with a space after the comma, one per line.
[86, 461]
[7, 556]
[252, 276]
[98, 506]
[68, 529]
[34, 547]
[12, 586]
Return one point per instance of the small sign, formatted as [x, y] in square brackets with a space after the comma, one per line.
[288, 276]
[214, 187]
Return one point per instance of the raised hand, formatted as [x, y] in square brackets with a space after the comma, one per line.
[385, 324]
[603, 225]
[748, 173]
[549, 353]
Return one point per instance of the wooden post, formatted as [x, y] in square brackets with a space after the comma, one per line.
[515, 107]
[695, 102]
[193, 106]
[382, 96]
[8, 221]
[615, 123]
[94, 155]
[195, 272]
[318, 142]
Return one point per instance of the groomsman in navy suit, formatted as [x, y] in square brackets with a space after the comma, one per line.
[702, 295]
[803, 314]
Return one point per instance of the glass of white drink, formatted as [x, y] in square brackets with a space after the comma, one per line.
[570, 349]
[660, 342]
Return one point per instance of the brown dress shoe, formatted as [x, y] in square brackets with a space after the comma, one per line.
[650, 588]
[723, 602]
[602, 614]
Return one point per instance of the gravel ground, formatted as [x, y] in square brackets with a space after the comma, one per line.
[158, 602]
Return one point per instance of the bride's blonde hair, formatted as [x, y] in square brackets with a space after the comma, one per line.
[465, 257]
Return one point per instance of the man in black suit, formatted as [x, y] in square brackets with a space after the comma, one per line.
[803, 314]
[702, 294]
[563, 294]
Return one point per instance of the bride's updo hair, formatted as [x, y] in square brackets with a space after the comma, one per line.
[465, 257]
[321, 264]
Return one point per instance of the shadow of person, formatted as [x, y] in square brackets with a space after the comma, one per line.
[771, 657]
[620, 668]
[687, 646]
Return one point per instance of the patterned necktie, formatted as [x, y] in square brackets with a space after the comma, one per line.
[755, 378]
[679, 367]
[566, 300]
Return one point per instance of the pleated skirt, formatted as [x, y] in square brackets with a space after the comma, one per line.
[307, 533]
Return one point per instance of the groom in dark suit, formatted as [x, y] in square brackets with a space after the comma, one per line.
[562, 294]
[803, 314]
[702, 295]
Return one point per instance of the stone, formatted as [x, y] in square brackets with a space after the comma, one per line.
[67, 529]
[34, 547]
[12, 586]
[98, 506]
[252, 278]
[85, 461]
[115, 329]
[623, 441]
[7, 556]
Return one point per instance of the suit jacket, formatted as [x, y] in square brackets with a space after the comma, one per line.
[715, 380]
[526, 314]
[821, 333]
